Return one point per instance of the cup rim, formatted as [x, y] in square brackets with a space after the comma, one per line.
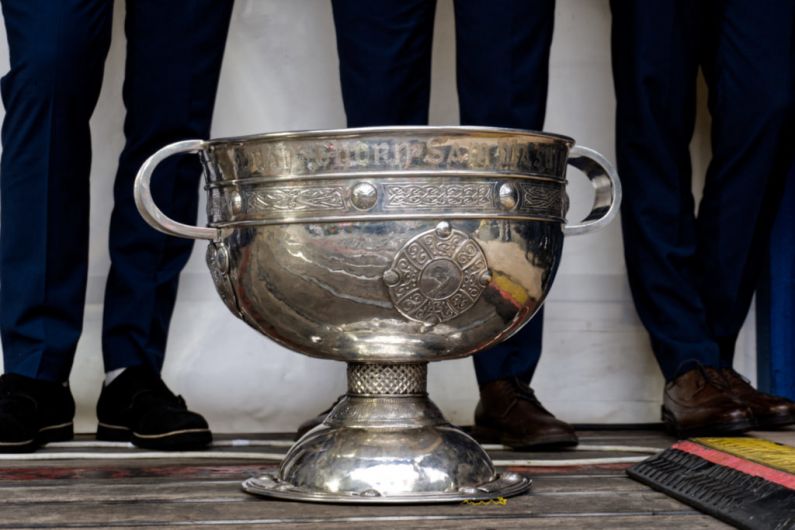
[403, 130]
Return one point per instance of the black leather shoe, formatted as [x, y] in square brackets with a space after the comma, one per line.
[510, 414]
[33, 412]
[138, 407]
[700, 403]
[311, 423]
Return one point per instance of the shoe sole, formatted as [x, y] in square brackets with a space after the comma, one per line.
[488, 435]
[712, 429]
[62, 432]
[180, 440]
[775, 422]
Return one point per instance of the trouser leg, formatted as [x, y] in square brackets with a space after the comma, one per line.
[385, 60]
[502, 62]
[749, 70]
[517, 356]
[174, 53]
[656, 47]
[503, 72]
[57, 53]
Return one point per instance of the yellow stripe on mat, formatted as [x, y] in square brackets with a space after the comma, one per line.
[757, 450]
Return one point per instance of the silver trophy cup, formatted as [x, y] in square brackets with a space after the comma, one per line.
[387, 248]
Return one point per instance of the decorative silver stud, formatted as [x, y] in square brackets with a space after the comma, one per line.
[391, 277]
[236, 202]
[485, 278]
[509, 195]
[364, 195]
[444, 229]
[222, 259]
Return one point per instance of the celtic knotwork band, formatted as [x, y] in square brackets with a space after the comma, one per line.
[426, 195]
[352, 199]
[291, 199]
[387, 379]
[437, 275]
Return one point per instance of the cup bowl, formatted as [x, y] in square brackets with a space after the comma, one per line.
[394, 244]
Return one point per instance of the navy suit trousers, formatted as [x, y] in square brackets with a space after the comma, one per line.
[693, 274]
[502, 64]
[57, 51]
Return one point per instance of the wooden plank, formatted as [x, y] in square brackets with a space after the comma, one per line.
[586, 485]
[120, 492]
[613, 522]
[213, 470]
[134, 510]
[162, 491]
[143, 470]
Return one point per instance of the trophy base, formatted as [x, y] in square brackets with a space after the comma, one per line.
[381, 447]
[506, 485]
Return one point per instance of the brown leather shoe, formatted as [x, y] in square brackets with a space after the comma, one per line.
[769, 411]
[510, 414]
[699, 403]
[311, 423]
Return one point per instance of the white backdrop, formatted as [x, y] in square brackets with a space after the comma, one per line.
[280, 73]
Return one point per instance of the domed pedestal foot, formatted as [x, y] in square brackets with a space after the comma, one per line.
[387, 443]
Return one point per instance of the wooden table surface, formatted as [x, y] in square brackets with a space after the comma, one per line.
[82, 492]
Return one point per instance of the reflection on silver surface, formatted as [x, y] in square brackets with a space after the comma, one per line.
[387, 248]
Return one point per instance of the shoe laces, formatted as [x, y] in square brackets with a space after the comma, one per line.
[157, 394]
[711, 377]
[733, 377]
[742, 385]
[524, 392]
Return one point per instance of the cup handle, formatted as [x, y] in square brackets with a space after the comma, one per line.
[607, 186]
[146, 204]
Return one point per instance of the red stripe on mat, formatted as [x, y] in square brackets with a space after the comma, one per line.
[745, 466]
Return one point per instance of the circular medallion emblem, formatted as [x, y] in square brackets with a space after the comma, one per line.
[440, 279]
[437, 275]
